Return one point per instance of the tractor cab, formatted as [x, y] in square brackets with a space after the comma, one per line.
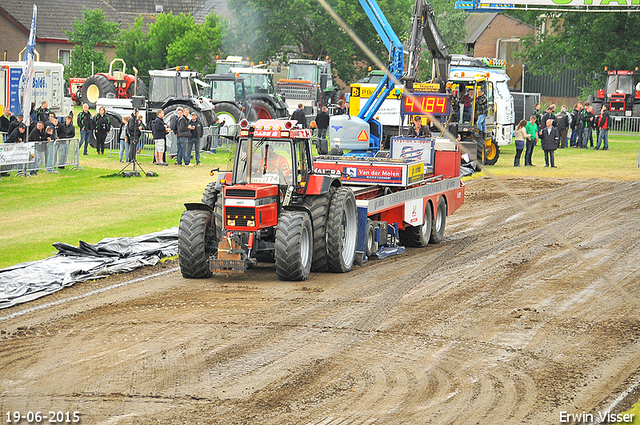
[273, 152]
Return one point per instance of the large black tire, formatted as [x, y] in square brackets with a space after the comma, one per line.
[479, 148]
[215, 203]
[261, 110]
[342, 230]
[294, 246]
[95, 87]
[140, 91]
[196, 241]
[439, 221]
[418, 236]
[231, 115]
[371, 246]
[318, 206]
[597, 107]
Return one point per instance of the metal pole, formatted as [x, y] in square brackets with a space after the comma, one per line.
[638, 165]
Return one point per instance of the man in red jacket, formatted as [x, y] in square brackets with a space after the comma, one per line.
[604, 122]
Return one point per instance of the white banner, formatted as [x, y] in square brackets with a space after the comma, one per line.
[16, 153]
[27, 69]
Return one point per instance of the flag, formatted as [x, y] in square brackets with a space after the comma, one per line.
[27, 69]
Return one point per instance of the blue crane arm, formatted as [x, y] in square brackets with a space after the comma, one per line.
[396, 58]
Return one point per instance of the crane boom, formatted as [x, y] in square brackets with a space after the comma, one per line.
[396, 58]
[423, 21]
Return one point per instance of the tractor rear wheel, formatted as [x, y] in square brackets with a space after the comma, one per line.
[342, 230]
[294, 246]
[418, 236]
[95, 87]
[318, 206]
[196, 241]
[261, 110]
[439, 221]
[141, 90]
[230, 114]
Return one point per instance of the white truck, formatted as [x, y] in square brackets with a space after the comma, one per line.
[48, 84]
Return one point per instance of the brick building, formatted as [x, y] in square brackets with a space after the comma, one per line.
[498, 36]
[54, 18]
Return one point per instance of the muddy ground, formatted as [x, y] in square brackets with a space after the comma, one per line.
[499, 324]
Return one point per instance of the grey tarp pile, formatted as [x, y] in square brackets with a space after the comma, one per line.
[28, 281]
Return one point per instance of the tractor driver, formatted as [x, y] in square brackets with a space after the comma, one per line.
[270, 162]
[276, 163]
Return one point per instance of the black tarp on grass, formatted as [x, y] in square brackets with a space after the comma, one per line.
[29, 281]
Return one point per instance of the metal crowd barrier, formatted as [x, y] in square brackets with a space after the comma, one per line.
[146, 145]
[27, 158]
[625, 126]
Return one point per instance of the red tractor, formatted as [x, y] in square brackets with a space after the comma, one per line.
[621, 95]
[116, 83]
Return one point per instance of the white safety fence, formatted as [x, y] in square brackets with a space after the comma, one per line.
[625, 126]
[28, 158]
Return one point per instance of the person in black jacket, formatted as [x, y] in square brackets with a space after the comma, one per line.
[18, 135]
[589, 121]
[575, 118]
[102, 128]
[183, 137]
[85, 124]
[14, 124]
[322, 121]
[419, 130]
[299, 116]
[42, 113]
[66, 131]
[134, 131]
[562, 124]
[549, 137]
[195, 126]
[159, 131]
[38, 135]
[5, 121]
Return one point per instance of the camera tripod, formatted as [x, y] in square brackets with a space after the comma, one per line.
[134, 173]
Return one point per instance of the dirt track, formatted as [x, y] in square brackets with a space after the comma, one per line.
[497, 325]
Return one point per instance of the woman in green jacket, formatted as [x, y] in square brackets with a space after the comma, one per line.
[532, 131]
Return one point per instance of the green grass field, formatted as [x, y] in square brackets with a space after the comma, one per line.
[80, 205]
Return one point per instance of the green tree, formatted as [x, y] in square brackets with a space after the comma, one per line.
[279, 28]
[586, 42]
[91, 36]
[171, 40]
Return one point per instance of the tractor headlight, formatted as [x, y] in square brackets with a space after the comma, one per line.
[251, 223]
[231, 222]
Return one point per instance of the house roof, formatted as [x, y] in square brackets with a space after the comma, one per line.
[476, 23]
[54, 18]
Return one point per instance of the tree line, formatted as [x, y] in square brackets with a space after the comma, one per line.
[274, 30]
[264, 30]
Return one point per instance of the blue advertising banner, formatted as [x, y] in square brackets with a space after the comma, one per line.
[15, 74]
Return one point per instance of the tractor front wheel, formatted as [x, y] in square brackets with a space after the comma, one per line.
[95, 87]
[294, 246]
[342, 230]
[196, 241]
